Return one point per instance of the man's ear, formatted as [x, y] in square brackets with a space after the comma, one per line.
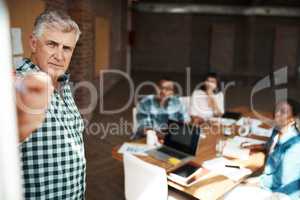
[32, 43]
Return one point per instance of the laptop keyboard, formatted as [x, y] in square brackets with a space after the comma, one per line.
[172, 153]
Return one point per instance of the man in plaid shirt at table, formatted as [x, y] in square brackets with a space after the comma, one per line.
[154, 111]
[52, 156]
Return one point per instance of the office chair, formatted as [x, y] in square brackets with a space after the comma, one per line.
[144, 181]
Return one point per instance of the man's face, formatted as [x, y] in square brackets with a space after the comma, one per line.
[52, 51]
[283, 114]
[166, 89]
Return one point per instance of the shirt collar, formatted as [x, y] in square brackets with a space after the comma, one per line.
[291, 132]
[27, 65]
[167, 103]
[26, 62]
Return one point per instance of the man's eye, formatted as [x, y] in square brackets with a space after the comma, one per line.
[67, 49]
[51, 44]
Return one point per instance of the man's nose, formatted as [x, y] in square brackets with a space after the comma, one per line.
[59, 54]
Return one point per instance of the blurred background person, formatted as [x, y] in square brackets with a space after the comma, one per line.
[154, 111]
[208, 101]
[281, 171]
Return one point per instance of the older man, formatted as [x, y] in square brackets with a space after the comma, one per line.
[53, 155]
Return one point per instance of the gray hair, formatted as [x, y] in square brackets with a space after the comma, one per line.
[56, 19]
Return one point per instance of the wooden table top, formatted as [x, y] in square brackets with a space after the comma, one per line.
[214, 186]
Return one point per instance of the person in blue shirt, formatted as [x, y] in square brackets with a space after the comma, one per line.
[154, 111]
[282, 168]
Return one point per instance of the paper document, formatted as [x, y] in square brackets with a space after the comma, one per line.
[233, 147]
[262, 132]
[224, 167]
[134, 148]
[236, 152]
[238, 140]
[255, 127]
[251, 192]
[227, 121]
[223, 121]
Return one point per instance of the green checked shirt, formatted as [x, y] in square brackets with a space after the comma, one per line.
[53, 158]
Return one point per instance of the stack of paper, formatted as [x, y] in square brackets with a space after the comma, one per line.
[237, 140]
[226, 168]
[134, 148]
[223, 121]
[255, 127]
[233, 147]
[236, 152]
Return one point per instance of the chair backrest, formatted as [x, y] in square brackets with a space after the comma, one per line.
[144, 181]
[134, 120]
[186, 101]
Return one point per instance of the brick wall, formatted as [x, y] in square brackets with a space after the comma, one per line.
[83, 61]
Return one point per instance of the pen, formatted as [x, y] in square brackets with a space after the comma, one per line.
[233, 166]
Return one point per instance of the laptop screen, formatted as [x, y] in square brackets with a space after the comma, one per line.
[182, 137]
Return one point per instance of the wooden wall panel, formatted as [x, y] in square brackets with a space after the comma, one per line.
[222, 48]
[22, 15]
[286, 49]
[102, 47]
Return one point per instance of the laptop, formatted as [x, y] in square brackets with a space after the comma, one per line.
[181, 142]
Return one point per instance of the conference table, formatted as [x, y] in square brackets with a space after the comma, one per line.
[214, 186]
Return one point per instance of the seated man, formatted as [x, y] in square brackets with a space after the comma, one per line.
[154, 111]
